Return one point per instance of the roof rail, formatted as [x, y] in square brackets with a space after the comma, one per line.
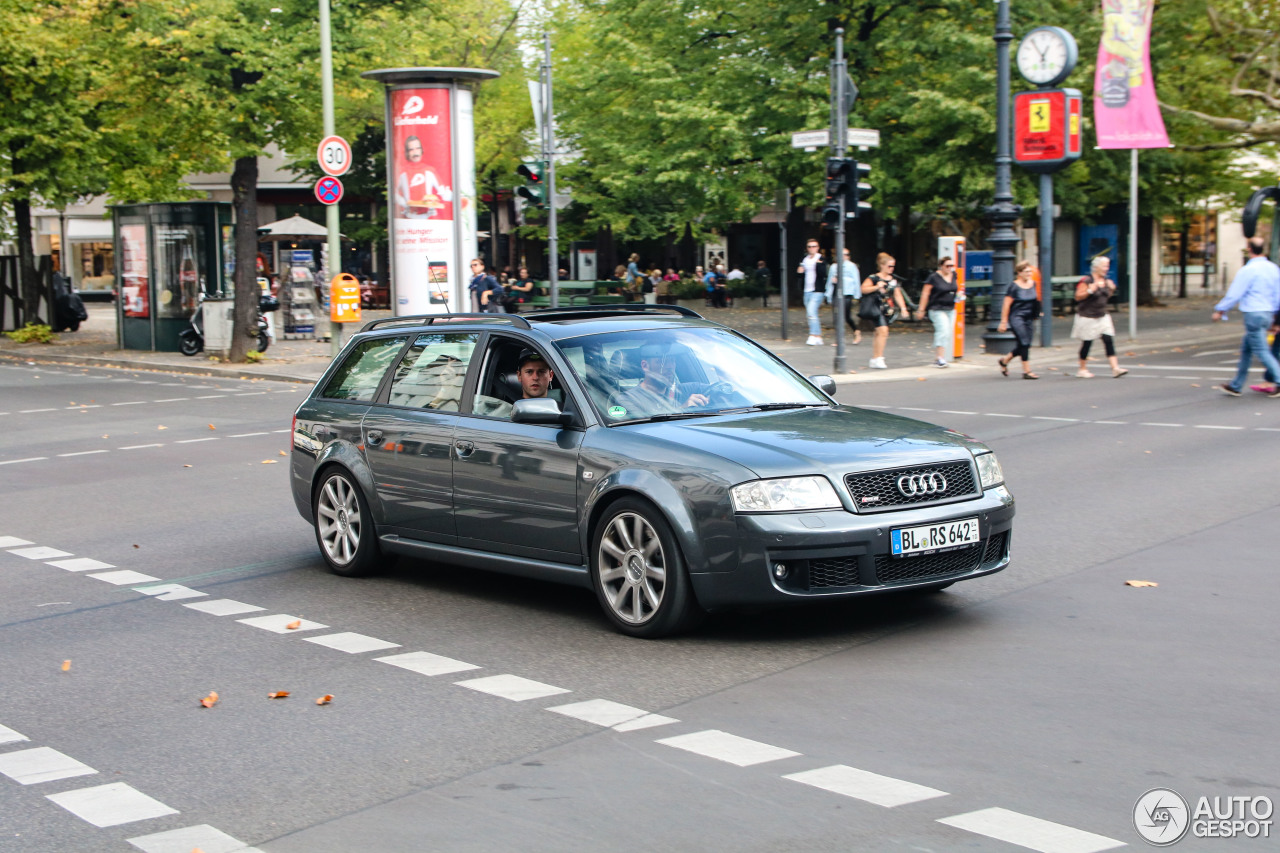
[429, 319]
[608, 310]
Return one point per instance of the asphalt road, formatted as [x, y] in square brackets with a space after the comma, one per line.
[1026, 710]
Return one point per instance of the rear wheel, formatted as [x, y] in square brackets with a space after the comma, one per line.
[264, 341]
[639, 574]
[344, 526]
[189, 343]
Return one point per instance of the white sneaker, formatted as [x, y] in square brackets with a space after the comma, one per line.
[813, 341]
[878, 364]
[940, 363]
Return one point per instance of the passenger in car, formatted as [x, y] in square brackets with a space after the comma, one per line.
[535, 377]
[659, 392]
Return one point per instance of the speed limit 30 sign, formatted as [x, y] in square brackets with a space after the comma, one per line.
[334, 155]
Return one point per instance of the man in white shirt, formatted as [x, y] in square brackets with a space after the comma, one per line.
[813, 273]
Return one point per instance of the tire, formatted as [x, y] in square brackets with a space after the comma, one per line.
[639, 574]
[264, 341]
[189, 343]
[344, 525]
[73, 326]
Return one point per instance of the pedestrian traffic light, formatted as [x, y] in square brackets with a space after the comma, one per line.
[860, 190]
[534, 190]
[839, 185]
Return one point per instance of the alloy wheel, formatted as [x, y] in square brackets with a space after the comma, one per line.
[338, 520]
[632, 567]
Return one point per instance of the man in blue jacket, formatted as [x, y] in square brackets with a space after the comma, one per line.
[1256, 290]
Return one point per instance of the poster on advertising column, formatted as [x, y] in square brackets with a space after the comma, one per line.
[423, 203]
[1124, 96]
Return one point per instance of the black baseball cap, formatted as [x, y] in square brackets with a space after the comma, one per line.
[529, 355]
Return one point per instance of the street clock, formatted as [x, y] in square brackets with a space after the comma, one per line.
[1047, 56]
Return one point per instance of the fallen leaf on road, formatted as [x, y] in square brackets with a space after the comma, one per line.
[1146, 451]
[66, 666]
[137, 546]
[211, 426]
[921, 379]
[106, 436]
[1130, 354]
[162, 427]
[279, 694]
[1141, 583]
[325, 699]
[1194, 385]
[1177, 349]
[294, 625]
[268, 461]
[210, 700]
[282, 453]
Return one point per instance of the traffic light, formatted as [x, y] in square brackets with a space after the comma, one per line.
[860, 191]
[840, 184]
[534, 190]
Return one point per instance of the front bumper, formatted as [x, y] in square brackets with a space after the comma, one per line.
[836, 554]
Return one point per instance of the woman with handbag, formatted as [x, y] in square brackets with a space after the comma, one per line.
[1093, 321]
[881, 304]
[1019, 312]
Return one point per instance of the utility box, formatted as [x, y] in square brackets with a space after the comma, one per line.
[219, 314]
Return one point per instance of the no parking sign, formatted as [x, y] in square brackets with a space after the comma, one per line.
[329, 190]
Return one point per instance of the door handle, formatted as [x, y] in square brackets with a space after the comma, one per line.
[464, 448]
[375, 437]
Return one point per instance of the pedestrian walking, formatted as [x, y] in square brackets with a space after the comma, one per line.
[1256, 290]
[1093, 320]
[1019, 312]
[763, 280]
[938, 300]
[812, 270]
[881, 302]
[479, 284]
[849, 288]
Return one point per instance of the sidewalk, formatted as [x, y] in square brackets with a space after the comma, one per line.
[909, 352]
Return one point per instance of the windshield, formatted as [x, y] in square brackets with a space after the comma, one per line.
[686, 372]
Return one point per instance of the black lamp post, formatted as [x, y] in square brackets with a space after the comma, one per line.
[1004, 212]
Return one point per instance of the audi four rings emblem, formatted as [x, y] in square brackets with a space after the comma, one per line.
[932, 483]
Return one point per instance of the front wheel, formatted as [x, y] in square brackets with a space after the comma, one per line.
[639, 574]
[264, 341]
[344, 526]
[189, 343]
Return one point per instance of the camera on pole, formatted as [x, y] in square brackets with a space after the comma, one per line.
[534, 190]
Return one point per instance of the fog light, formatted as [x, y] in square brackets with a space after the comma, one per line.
[780, 570]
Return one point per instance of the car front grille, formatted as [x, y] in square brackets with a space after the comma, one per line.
[877, 491]
[837, 571]
[892, 570]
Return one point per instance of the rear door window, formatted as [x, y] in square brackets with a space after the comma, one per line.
[432, 372]
[360, 375]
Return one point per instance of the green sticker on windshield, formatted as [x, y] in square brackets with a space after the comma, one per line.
[617, 412]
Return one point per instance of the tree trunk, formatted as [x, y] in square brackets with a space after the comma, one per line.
[244, 201]
[1183, 236]
[28, 281]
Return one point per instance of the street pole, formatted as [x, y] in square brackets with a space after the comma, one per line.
[549, 155]
[1133, 243]
[784, 272]
[839, 118]
[1003, 213]
[1046, 260]
[334, 266]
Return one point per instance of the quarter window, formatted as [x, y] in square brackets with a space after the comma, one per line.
[431, 374]
[360, 375]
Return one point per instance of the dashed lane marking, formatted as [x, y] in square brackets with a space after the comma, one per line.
[80, 564]
[28, 459]
[8, 735]
[40, 552]
[82, 453]
[172, 400]
[196, 440]
[723, 746]
[1117, 423]
[251, 393]
[139, 446]
[33, 411]
[1048, 418]
[122, 577]
[130, 403]
[224, 607]
[170, 592]
[85, 406]
[41, 764]
[13, 542]
[1211, 426]
[648, 721]
[613, 715]
[211, 396]
[278, 624]
[351, 643]
[425, 663]
[999, 415]
[1030, 832]
[512, 687]
[1145, 423]
[201, 837]
[863, 785]
[954, 412]
[247, 434]
[111, 805]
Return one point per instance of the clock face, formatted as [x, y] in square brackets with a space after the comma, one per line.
[1046, 56]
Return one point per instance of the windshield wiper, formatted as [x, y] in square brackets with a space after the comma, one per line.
[769, 407]
[671, 416]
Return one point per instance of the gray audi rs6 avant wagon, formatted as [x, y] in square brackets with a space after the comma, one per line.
[667, 462]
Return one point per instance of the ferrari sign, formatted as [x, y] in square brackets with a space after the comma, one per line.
[344, 299]
[1046, 129]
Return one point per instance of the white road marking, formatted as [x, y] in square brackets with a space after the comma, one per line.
[1109, 422]
[211, 396]
[1267, 429]
[1216, 352]
[130, 403]
[144, 381]
[122, 577]
[33, 411]
[82, 453]
[13, 542]
[85, 406]
[172, 400]
[1211, 426]
[8, 735]
[1159, 424]
[111, 805]
[1048, 418]
[28, 459]
[954, 412]
[873, 406]
[202, 837]
[41, 764]
[914, 409]
[174, 384]
[247, 434]
[425, 663]
[170, 592]
[224, 607]
[648, 721]
[863, 785]
[80, 564]
[196, 440]
[601, 712]
[251, 394]
[512, 687]
[276, 624]
[282, 430]
[723, 746]
[352, 644]
[39, 552]
[139, 446]
[999, 415]
[1030, 832]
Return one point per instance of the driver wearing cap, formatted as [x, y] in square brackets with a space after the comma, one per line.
[535, 374]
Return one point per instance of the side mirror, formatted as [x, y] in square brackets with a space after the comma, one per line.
[542, 410]
[824, 383]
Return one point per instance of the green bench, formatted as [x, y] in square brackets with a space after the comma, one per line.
[574, 293]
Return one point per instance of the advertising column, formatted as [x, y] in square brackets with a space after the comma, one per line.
[431, 186]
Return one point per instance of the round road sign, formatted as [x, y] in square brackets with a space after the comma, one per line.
[334, 155]
[329, 190]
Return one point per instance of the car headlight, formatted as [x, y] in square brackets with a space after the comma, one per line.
[793, 493]
[989, 471]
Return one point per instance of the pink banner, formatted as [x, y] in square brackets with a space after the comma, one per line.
[1125, 111]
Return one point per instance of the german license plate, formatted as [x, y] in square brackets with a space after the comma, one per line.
[931, 538]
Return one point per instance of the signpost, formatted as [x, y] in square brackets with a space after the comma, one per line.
[855, 137]
[329, 190]
[334, 155]
[344, 299]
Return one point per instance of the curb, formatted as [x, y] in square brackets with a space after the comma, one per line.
[159, 367]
